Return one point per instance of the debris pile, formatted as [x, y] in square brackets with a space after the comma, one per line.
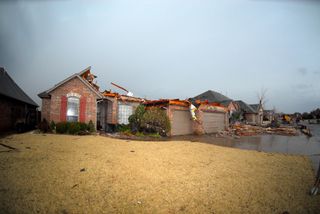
[250, 130]
[289, 131]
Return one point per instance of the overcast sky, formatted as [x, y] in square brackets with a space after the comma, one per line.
[169, 49]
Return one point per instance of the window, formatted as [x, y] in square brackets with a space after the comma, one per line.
[125, 111]
[73, 109]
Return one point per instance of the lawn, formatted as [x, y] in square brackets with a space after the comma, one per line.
[95, 174]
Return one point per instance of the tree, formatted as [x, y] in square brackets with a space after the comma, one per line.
[262, 96]
[315, 113]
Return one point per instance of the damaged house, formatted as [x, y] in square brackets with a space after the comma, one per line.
[73, 99]
[259, 113]
[17, 110]
[252, 114]
[216, 97]
[78, 99]
[208, 117]
[115, 109]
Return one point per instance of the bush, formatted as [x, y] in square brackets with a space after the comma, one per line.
[91, 127]
[44, 126]
[155, 120]
[123, 128]
[83, 127]
[136, 118]
[74, 128]
[52, 125]
[62, 127]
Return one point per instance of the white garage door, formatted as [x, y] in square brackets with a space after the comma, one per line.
[181, 123]
[213, 122]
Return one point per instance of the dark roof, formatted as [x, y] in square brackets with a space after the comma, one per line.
[10, 89]
[44, 94]
[245, 107]
[255, 106]
[212, 96]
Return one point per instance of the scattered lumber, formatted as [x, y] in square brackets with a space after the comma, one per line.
[251, 130]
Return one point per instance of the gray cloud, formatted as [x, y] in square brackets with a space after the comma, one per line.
[302, 71]
[166, 48]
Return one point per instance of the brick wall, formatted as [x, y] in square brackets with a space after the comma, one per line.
[198, 124]
[78, 87]
[45, 109]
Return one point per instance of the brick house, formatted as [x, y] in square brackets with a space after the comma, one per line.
[77, 98]
[73, 99]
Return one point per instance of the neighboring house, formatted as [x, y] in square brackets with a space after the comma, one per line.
[73, 99]
[17, 109]
[216, 97]
[230, 105]
[258, 108]
[211, 117]
[116, 109]
[249, 113]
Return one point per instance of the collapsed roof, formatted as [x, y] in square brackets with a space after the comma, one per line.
[10, 89]
[122, 97]
[167, 102]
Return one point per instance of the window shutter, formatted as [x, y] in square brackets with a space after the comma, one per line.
[83, 103]
[63, 108]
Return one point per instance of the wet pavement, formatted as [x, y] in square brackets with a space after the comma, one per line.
[301, 144]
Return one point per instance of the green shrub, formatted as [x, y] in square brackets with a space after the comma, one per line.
[91, 127]
[139, 134]
[155, 120]
[74, 128]
[83, 127]
[155, 135]
[136, 118]
[52, 125]
[62, 128]
[123, 128]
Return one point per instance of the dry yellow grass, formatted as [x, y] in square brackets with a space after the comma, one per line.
[148, 177]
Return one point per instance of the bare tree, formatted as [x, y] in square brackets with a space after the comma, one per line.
[262, 96]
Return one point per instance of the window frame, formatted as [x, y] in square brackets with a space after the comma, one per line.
[124, 113]
[77, 115]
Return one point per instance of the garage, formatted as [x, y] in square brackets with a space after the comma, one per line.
[181, 123]
[213, 122]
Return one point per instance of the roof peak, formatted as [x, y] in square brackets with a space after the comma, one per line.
[212, 96]
[9, 88]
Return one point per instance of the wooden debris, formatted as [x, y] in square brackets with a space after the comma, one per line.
[249, 130]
